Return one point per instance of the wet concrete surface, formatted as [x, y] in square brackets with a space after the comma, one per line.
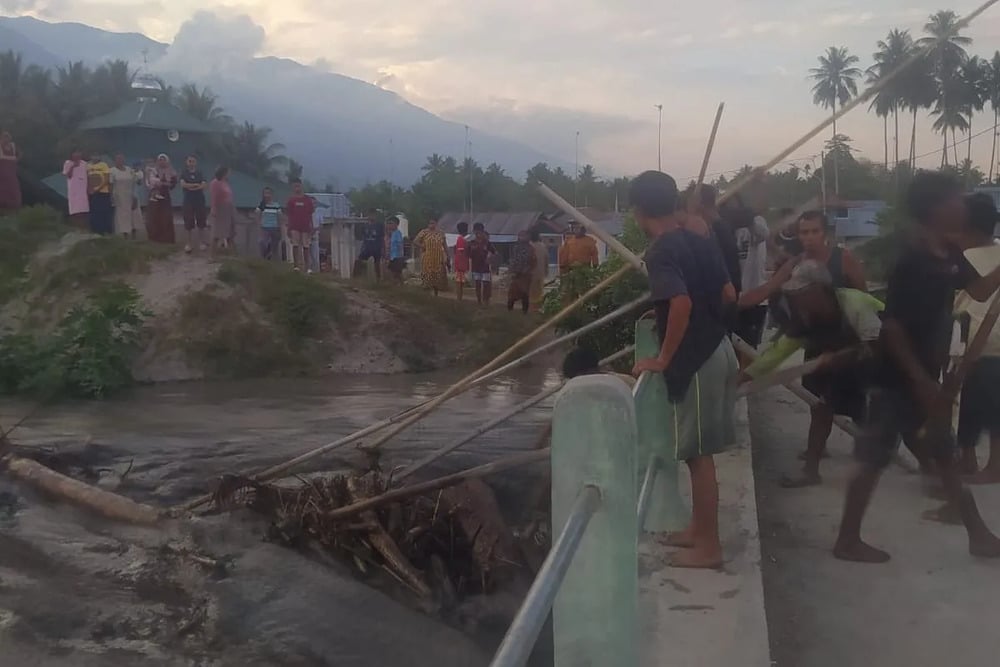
[932, 604]
[77, 590]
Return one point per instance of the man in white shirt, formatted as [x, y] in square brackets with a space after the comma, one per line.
[980, 404]
[752, 233]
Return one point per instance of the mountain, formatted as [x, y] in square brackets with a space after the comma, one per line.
[341, 129]
[31, 52]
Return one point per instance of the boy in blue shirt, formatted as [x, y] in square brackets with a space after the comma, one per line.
[397, 260]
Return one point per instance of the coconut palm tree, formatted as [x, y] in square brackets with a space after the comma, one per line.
[836, 81]
[974, 92]
[892, 52]
[945, 49]
[993, 84]
[249, 150]
[203, 105]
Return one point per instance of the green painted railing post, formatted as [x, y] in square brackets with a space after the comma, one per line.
[594, 443]
[667, 511]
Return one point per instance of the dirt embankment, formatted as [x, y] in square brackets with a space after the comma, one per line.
[211, 317]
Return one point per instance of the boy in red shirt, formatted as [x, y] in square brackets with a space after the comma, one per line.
[299, 211]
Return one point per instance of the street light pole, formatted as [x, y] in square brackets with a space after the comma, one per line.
[659, 134]
[576, 169]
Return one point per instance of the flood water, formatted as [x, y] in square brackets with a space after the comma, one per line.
[76, 590]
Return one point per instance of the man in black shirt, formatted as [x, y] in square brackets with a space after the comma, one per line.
[723, 233]
[916, 332]
[372, 245]
[194, 209]
[691, 291]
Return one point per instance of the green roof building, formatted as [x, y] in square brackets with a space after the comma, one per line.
[147, 126]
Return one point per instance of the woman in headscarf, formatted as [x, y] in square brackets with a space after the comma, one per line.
[10, 187]
[123, 181]
[161, 178]
[75, 171]
[434, 257]
[223, 213]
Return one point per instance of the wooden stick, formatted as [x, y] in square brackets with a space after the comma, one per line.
[953, 381]
[694, 202]
[505, 463]
[865, 95]
[109, 505]
[496, 421]
[785, 375]
[462, 384]
[592, 227]
[801, 392]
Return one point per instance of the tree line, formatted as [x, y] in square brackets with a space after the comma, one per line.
[944, 80]
[44, 108]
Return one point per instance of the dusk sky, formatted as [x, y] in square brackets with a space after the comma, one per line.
[541, 71]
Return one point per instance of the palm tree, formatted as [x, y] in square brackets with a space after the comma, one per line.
[993, 82]
[946, 52]
[250, 151]
[919, 92]
[892, 52]
[974, 92]
[202, 104]
[836, 82]
[11, 75]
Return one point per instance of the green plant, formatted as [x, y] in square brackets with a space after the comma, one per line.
[612, 337]
[96, 259]
[20, 237]
[89, 354]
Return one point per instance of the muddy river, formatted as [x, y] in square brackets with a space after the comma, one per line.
[77, 590]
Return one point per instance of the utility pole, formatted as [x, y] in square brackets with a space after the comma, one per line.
[468, 167]
[659, 135]
[576, 169]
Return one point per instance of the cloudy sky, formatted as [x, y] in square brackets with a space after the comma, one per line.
[539, 71]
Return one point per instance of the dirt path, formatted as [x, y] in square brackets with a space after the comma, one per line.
[932, 604]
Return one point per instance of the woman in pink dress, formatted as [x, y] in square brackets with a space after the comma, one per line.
[10, 187]
[161, 178]
[223, 212]
[75, 171]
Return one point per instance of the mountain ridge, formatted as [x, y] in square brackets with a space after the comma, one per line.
[345, 130]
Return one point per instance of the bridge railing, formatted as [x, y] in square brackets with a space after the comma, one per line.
[601, 434]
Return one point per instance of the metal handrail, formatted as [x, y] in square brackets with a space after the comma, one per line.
[646, 492]
[520, 639]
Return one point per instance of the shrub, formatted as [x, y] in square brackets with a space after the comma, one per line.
[89, 354]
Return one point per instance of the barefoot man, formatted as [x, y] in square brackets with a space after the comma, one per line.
[690, 289]
[916, 332]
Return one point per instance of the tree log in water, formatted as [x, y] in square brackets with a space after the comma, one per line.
[109, 505]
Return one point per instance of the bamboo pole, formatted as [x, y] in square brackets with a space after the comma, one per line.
[496, 421]
[865, 95]
[787, 375]
[67, 489]
[465, 382]
[801, 392]
[694, 202]
[506, 463]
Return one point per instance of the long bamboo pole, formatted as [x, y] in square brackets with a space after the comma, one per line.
[865, 95]
[500, 465]
[695, 196]
[496, 421]
[281, 468]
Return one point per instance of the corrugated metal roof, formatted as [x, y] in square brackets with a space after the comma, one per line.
[151, 114]
[495, 223]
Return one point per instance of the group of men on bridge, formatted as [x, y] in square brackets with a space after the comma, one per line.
[880, 364]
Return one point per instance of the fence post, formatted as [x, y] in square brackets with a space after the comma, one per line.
[594, 442]
[666, 509]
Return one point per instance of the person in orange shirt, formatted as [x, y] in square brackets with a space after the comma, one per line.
[577, 250]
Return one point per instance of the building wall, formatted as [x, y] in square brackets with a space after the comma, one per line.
[857, 221]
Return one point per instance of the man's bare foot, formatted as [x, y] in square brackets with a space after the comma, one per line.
[699, 558]
[804, 456]
[683, 539]
[802, 481]
[986, 545]
[988, 475]
[859, 552]
[947, 514]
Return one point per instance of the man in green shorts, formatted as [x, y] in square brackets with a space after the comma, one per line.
[691, 294]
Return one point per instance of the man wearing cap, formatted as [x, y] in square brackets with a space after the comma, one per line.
[691, 292]
[824, 320]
